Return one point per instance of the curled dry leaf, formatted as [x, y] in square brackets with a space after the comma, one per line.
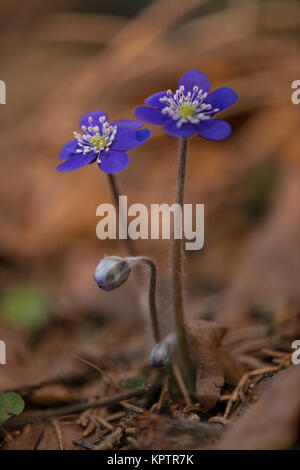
[51, 395]
[214, 366]
[273, 421]
[160, 433]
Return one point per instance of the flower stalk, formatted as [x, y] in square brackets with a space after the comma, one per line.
[115, 191]
[152, 293]
[113, 271]
[176, 255]
[129, 246]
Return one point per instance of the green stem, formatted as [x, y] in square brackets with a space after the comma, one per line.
[183, 347]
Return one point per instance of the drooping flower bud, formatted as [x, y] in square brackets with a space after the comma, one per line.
[161, 354]
[112, 272]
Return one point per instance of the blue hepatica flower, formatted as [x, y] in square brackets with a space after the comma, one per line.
[191, 109]
[102, 142]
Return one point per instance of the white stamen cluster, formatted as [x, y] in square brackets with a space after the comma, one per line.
[188, 107]
[92, 140]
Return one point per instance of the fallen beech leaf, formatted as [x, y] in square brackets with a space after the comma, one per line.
[42, 436]
[158, 432]
[52, 395]
[273, 421]
[214, 366]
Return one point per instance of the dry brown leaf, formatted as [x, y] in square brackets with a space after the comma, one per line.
[214, 366]
[273, 421]
[157, 432]
[52, 395]
[42, 436]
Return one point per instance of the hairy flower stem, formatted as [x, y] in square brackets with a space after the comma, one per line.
[115, 194]
[129, 247]
[152, 293]
[176, 254]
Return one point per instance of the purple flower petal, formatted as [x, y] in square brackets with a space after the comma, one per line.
[214, 129]
[154, 100]
[222, 98]
[68, 150]
[194, 78]
[185, 130]
[150, 115]
[84, 120]
[113, 161]
[75, 162]
[129, 140]
[127, 125]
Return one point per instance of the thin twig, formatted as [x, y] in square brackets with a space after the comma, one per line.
[34, 417]
[235, 394]
[164, 390]
[133, 442]
[110, 441]
[58, 433]
[273, 353]
[39, 440]
[101, 371]
[130, 407]
[104, 423]
[181, 383]
[115, 416]
[109, 379]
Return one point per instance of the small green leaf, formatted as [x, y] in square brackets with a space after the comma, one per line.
[24, 307]
[134, 382]
[11, 404]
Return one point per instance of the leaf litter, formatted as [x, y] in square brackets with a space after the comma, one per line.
[247, 393]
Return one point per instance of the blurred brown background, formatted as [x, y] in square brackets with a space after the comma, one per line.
[62, 59]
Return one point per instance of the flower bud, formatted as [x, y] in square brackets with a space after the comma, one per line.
[161, 354]
[111, 272]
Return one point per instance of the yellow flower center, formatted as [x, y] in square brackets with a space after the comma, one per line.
[98, 141]
[186, 110]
